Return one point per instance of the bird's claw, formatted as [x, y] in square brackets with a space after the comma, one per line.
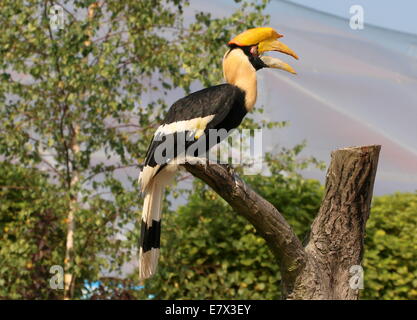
[230, 169]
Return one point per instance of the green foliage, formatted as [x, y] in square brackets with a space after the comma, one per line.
[31, 233]
[210, 252]
[390, 264]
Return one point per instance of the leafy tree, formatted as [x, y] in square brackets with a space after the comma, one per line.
[32, 233]
[390, 265]
[80, 104]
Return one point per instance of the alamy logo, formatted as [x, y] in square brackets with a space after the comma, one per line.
[357, 19]
[356, 280]
[56, 282]
[237, 147]
[56, 17]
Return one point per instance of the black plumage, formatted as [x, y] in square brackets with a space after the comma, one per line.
[226, 102]
[150, 235]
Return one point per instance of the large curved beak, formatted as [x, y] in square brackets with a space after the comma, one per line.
[275, 45]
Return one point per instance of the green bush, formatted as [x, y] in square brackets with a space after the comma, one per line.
[390, 265]
[32, 237]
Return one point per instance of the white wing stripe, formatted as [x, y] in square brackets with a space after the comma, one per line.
[197, 125]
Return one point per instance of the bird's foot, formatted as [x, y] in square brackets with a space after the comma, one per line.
[230, 169]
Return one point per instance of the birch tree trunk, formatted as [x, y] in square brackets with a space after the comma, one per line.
[69, 278]
[73, 205]
[328, 267]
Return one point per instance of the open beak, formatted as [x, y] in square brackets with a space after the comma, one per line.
[275, 45]
[277, 64]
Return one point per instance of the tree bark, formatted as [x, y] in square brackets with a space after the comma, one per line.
[73, 205]
[323, 268]
[69, 246]
[69, 277]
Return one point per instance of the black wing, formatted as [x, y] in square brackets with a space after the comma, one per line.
[224, 102]
[217, 100]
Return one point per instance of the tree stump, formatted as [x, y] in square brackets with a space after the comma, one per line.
[328, 267]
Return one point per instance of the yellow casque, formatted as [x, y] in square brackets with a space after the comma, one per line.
[254, 36]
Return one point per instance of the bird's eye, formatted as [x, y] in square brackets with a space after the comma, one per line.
[254, 51]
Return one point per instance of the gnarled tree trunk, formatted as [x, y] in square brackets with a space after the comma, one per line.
[328, 267]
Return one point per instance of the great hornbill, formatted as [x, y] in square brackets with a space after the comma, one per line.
[218, 107]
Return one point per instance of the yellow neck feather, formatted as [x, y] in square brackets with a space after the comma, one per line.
[237, 70]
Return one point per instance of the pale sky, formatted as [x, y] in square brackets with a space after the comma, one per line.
[353, 87]
[400, 15]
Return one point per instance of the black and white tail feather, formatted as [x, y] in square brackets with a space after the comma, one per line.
[153, 188]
